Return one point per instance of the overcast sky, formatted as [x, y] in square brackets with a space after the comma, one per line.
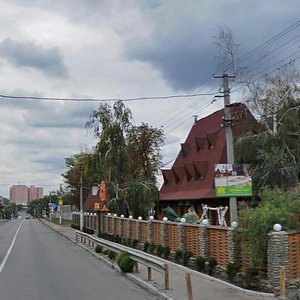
[107, 49]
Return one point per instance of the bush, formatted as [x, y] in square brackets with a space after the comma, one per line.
[75, 226]
[151, 248]
[178, 255]
[88, 230]
[166, 252]
[186, 256]
[211, 264]
[146, 246]
[98, 249]
[125, 263]
[251, 273]
[111, 254]
[105, 252]
[134, 243]
[232, 269]
[159, 250]
[200, 264]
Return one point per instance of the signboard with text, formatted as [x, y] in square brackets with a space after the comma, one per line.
[233, 180]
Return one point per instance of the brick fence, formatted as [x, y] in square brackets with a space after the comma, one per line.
[203, 240]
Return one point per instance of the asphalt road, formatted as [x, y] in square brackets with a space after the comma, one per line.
[43, 265]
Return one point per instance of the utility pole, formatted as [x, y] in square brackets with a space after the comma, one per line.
[81, 199]
[229, 138]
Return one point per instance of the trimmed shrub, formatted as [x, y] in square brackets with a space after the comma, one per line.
[146, 246]
[186, 256]
[200, 264]
[159, 250]
[232, 269]
[178, 255]
[211, 264]
[88, 230]
[166, 252]
[251, 274]
[134, 243]
[111, 254]
[75, 226]
[125, 263]
[98, 249]
[151, 248]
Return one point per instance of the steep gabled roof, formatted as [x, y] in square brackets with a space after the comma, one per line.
[192, 174]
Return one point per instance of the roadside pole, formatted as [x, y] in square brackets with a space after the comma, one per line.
[229, 138]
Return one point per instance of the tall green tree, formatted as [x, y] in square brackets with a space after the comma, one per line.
[127, 157]
[274, 151]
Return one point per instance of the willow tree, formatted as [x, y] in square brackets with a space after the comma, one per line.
[127, 157]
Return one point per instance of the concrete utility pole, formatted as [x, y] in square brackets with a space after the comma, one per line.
[229, 138]
[81, 199]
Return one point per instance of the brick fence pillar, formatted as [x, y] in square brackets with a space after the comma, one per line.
[278, 255]
[150, 231]
[139, 231]
[203, 235]
[164, 234]
[181, 237]
[232, 246]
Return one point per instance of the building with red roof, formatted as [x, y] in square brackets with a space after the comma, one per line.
[191, 178]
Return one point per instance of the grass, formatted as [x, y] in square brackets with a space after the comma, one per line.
[66, 223]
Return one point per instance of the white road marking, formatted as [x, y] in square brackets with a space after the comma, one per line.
[10, 248]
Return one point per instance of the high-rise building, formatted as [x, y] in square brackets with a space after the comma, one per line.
[34, 193]
[21, 194]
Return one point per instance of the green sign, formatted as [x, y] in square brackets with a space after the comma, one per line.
[233, 180]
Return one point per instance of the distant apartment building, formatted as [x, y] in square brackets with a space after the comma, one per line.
[21, 194]
[34, 193]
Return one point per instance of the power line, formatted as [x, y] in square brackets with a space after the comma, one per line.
[104, 100]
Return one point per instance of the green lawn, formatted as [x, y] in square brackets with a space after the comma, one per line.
[66, 223]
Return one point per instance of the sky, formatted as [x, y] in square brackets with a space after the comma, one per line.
[122, 49]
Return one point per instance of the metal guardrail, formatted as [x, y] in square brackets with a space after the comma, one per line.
[136, 255]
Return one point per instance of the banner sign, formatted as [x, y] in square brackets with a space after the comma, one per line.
[233, 180]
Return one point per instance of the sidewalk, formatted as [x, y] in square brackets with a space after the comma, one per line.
[204, 287]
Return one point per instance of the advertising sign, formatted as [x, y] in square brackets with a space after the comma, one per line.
[233, 180]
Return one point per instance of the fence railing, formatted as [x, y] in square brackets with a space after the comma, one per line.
[206, 241]
[139, 257]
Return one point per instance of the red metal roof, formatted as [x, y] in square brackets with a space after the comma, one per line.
[192, 174]
[89, 203]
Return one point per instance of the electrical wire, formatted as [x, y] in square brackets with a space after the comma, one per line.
[104, 100]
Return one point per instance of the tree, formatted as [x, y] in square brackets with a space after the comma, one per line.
[144, 144]
[127, 157]
[274, 152]
[72, 176]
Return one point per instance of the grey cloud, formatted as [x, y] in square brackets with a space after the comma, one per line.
[183, 67]
[185, 52]
[29, 54]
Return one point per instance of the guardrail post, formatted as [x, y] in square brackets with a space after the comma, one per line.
[189, 286]
[167, 277]
[149, 273]
[136, 267]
